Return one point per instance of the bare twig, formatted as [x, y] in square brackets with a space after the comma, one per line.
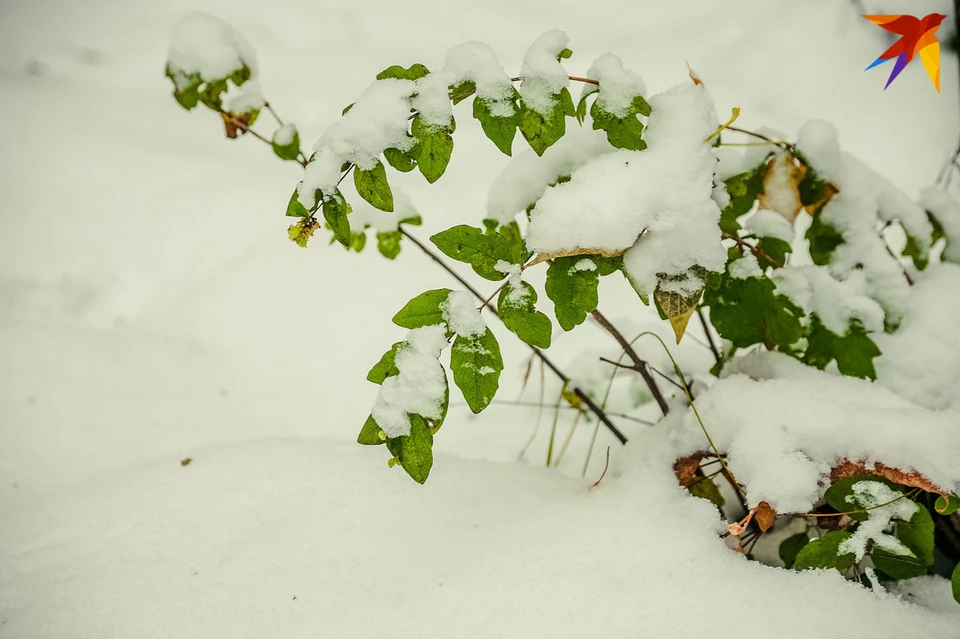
[709, 334]
[639, 364]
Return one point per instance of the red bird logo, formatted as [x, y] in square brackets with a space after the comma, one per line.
[918, 36]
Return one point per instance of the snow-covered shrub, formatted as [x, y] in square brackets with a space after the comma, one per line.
[647, 187]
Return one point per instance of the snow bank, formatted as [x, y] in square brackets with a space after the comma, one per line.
[293, 538]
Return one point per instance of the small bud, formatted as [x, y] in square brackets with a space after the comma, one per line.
[382, 435]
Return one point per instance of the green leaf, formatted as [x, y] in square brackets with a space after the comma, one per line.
[372, 186]
[955, 583]
[211, 94]
[423, 310]
[294, 208]
[573, 289]
[917, 535]
[947, 505]
[388, 243]
[403, 161]
[705, 488]
[749, 311]
[414, 72]
[853, 352]
[519, 253]
[677, 303]
[434, 148]
[414, 451]
[335, 211]
[542, 130]
[917, 252]
[823, 239]
[288, 151]
[186, 87]
[581, 113]
[841, 497]
[370, 433]
[386, 367]
[517, 310]
[622, 132]
[897, 566]
[743, 188]
[357, 241]
[812, 187]
[462, 91]
[565, 53]
[480, 250]
[774, 252]
[476, 364]
[413, 220]
[824, 553]
[501, 129]
[791, 546]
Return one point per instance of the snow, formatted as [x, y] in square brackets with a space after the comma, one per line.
[248, 97]
[586, 264]
[461, 315]
[946, 209]
[765, 223]
[432, 100]
[819, 142]
[745, 267]
[477, 61]
[377, 121]
[784, 434]
[127, 346]
[835, 302]
[885, 504]
[525, 179]
[618, 86]
[284, 134]
[663, 192]
[420, 386]
[920, 359]
[543, 77]
[206, 45]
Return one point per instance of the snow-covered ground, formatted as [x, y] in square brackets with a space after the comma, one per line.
[152, 309]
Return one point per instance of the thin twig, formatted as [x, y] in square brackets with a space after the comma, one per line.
[760, 136]
[276, 117]
[750, 247]
[604, 474]
[709, 334]
[639, 365]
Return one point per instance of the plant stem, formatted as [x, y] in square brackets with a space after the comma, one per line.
[750, 247]
[639, 365]
[706, 331]
[760, 136]
[596, 410]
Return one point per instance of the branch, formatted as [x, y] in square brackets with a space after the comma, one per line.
[639, 365]
[596, 410]
[706, 331]
[750, 247]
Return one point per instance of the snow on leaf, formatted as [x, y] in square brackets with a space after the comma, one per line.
[414, 451]
[434, 146]
[825, 553]
[335, 211]
[542, 129]
[677, 297]
[517, 308]
[476, 364]
[286, 142]
[499, 122]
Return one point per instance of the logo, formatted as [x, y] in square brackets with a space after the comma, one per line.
[917, 37]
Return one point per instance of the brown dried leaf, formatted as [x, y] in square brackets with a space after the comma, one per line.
[847, 468]
[765, 516]
[685, 468]
[780, 181]
[232, 123]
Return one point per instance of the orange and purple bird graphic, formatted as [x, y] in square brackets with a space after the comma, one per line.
[917, 36]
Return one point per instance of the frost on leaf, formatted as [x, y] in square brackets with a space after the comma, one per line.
[476, 364]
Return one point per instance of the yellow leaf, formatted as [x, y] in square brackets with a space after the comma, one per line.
[677, 297]
[302, 231]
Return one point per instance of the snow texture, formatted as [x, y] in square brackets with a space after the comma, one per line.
[618, 86]
[461, 315]
[477, 62]
[764, 223]
[544, 77]
[745, 267]
[885, 504]
[207, 46]
[663, 192]
[245, 98]
[419, 388]
[781, 443]
[835, 302]
[527, 176]
[284, 134]
[946, 209]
